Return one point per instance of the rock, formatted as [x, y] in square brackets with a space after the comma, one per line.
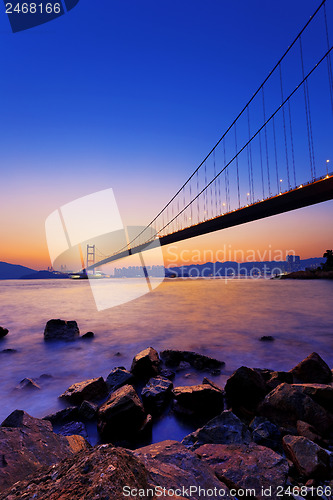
[87, 336]
[91, 390]
[97, 473]
[226, 428]
[266, 434]
[308, 431]
[63, 416]
[3, 332]
[287, 403]
[27, 443]
[146, 364]
[122, 416]
[206, 380]
[76, 428]
[202, 398]
[117, 377]
[58, 329]
[8, 351]
[277, 378]
[245, 388]
[29, 384]
[245, 467]
[88, 410]
[267, 338]
[173, 358]
[310, 460]
[320, 393]
[45, 376]
[313, 370]
[157, 393]
[172, 466]
[170, 374]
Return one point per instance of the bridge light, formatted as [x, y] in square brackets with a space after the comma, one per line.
[301, 186]
[327, 162]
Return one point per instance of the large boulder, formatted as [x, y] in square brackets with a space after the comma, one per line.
[201, 398]
[310, 460]
[91, 390]
[173, 467]
[321, 393]
[266, 433]
[28, 443]
[58, 329]
[146, 364]
[157, 393]
[313, 370]
[101, 472]
[288, 403]
[122, 416]
[3, 332]
[226, 428]
[63, 416]
[246, 388]
[173, 358]
[246, 467]
[117, 377]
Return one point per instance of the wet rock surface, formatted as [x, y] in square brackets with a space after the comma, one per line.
[226, 428]
[312, 369]
[117, 377]
[91, 390]
[157, 393]
[122, 415]
[146, 364]
[3, 332]
[310, 460]
[98, 473]
[28, 384]
[171, 464]
[201, 398]
[288, 403]
[245, 389]
[173, 358]
[28, 443]
[58, 329]
[246, 467]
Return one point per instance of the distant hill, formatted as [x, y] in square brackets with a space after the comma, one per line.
[13, 271]
[43, 275]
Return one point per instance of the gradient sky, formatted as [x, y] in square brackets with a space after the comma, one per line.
[132, 95]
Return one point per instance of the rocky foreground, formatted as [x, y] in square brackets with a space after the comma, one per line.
[267, 434]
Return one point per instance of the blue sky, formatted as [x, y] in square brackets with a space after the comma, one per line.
[130, 95]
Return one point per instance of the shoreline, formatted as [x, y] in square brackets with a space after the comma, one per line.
[280, 421]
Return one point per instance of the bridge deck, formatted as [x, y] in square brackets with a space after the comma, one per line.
[309, 194]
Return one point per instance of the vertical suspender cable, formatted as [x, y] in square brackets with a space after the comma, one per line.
[237, 168]
[329, 62]
[276, 160]
[198, 206]
[284, 128]
[306, 108]
[267, 160]
[262, 170]
[250, 153]
[292, 144]
[215, 186]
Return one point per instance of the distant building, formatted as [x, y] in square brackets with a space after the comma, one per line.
[137, 271]
[293, 263]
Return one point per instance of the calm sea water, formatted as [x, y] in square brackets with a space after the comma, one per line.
[213, 317]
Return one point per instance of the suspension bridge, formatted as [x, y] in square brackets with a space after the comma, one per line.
[274, 157]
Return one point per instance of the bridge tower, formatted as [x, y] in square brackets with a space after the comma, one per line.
[91, 251]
